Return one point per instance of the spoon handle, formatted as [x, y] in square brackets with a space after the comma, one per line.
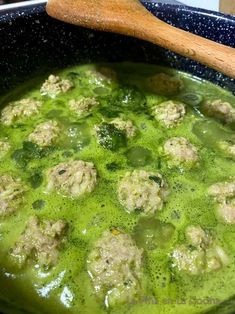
[207, 52]
[130, 18]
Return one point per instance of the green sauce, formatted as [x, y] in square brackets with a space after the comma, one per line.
[66, 287]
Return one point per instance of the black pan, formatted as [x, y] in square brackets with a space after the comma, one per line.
[32, 43]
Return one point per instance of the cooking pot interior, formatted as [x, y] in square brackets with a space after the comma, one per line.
[32, 43]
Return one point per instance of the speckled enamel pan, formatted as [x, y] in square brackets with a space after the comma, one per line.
[31, 41]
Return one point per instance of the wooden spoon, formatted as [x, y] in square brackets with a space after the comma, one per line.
[129, 17]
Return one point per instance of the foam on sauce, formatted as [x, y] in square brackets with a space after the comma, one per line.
[66, 288]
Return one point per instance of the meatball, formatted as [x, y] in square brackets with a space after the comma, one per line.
[228, 148]
[142, 191]
[169, 113]
[222, 190]
[220, 110]
[72, 178]
[20, 109]
[199, 261]
[102, 75]
[190, 261]
[201, 254]
[4, 148]
[224, 194]
[107, 74]
[216, 258]
[115, 267]
[126, 126]
[54, 86]
[164, 84]
[11, 194]
[45, 133]
[196, 236]
[180, 150]
[226, 211]
[83, 106]
[40, 242]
